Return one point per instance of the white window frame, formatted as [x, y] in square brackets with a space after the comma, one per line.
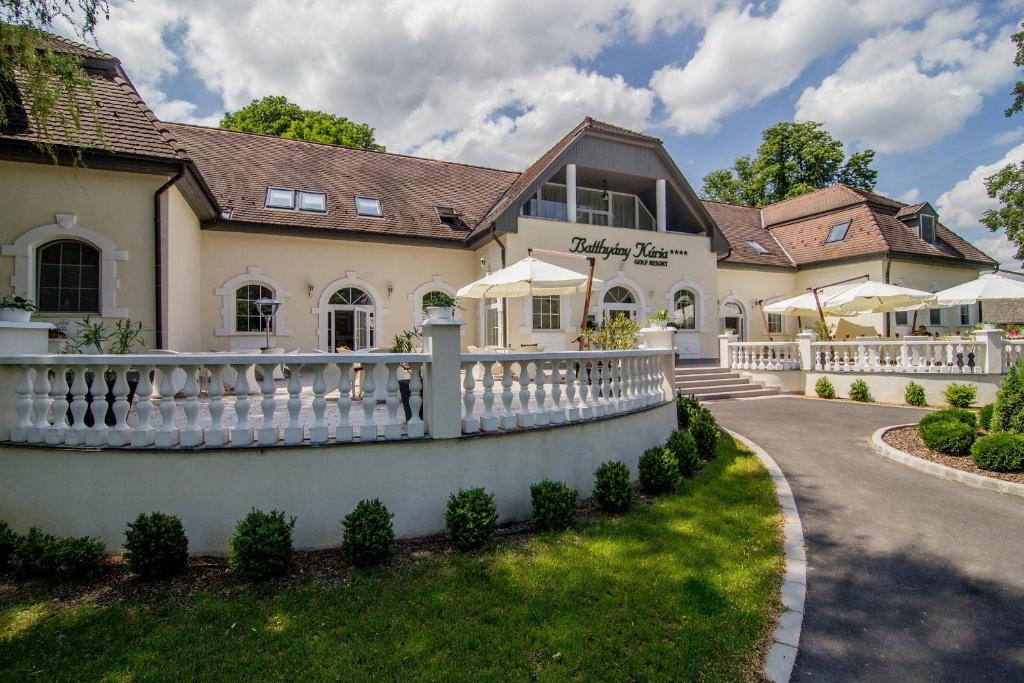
[932, 312]
[965, 314]
[26, 247]
[323, 309]
[701, 300]
[310, 193]
[227, 292]
[696, 308]
[553, 316]
[271, 189]
[639, 310]
[776, 323]
[435, 284]
[368, 198]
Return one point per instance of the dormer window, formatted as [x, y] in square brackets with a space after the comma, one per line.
[312, 201]
[928, 228]
[450, 216]
[758, 247]
[369, 206]
[838, 232]
[280, 198]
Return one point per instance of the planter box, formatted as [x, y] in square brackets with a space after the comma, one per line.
[15, 315]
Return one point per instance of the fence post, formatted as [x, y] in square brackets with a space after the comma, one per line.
[724, 340]
[992, 338]
[804, 340]
[442, 388]
[15, 337]
[662, 338]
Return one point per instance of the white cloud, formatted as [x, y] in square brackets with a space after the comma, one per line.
[746, 56]
[904, 89]
[908, 197]
[962, 205]
[1009, 136]
[1001, 249]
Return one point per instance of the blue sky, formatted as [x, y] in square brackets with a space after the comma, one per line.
[924, 82]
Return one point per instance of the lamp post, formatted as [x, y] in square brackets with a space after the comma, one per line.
[267, 308]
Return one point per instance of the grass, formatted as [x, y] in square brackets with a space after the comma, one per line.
[683, 588]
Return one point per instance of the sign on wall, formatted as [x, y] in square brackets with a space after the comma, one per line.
[641, 253]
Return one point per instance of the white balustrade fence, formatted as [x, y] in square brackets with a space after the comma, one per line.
[962, 356]
[1013, 351]
[764, 356]
[521, 390]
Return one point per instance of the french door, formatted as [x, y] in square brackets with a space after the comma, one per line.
[350, 327]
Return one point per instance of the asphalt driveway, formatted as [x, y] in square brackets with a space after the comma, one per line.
[910, 577]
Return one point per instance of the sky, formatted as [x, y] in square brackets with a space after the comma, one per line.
[922, 82]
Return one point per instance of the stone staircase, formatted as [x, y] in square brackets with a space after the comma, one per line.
[715, 383]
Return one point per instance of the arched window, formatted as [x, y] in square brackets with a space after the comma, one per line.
[435, 298]
[350, 323]
[732, 317]
[68, 279]
[248, 316]
[350, 296]
[619, 295]
[684, 307]
[619, 301]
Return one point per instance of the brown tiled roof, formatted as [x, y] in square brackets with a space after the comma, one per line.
[910, 210]
[742, 223]
[818, 201]
[805, 240]
[239, 167]
[61, 44]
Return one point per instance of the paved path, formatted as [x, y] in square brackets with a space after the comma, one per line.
[910, 577]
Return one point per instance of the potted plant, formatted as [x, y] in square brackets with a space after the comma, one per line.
[16, 309]
[91, 336]
[440, 305]
[403, 344]
[659, 320]
[618, 333]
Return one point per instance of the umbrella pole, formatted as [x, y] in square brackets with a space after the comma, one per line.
[821, 314]
[913, 323]
[586, 301]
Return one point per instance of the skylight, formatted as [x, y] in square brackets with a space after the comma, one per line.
[838, 232]
[312, 201]
[368, 206]
[450, 216]
[280, 198]
[758, 247]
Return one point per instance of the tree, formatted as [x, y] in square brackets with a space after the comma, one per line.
[275, 115]
[34, 78]
[794, 158]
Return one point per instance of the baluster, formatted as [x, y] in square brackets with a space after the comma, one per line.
[489, 421]
[267, 432]
[242, 434]
[167, 435]
[216, 435]
[120, 435]
[393, 427]
[76, 432]
[541, 417]
[318, 430]
[294, 433]
[949, 357]
[903, 364]
[556, 415]
[23, 405]
[607, 388]
[368, 430]
[616, 369]
[586, 407]
[508, 416]
[470, 422]
[56, 433]
[344, 431]
[626, 386]
[41, 405]
[571, 382]
[191, 435]
[97, 434]
[525, 416]
[414, 426]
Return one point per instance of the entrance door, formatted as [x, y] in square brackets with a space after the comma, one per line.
[350, 327]
[732, 318]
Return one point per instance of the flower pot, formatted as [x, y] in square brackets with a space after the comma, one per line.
[15, 315]
[440, 312]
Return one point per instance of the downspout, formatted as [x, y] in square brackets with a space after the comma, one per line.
[504, 310]
[158, 255]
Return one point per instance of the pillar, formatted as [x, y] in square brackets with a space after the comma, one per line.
[661, 203]
[992, 337]
[442, 385]
[724, 357]
[804, 340]
[570, 191]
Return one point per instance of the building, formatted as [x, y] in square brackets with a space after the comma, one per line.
[183, 228]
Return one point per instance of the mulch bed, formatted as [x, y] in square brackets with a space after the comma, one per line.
[908, 440]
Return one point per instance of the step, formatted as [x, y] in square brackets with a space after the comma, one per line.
[741, 386]
[704, 381]
[708, 376]
[756, 392]
[700, 370]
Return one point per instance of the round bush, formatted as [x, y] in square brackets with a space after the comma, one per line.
[471, 517]
[960, 395]
[261, 546]
[8, 540]
[155, 545]
[34, 554]
[367, 536]
[704, 431]
[613, 490]
[955, 414]
[1000, 452]
[985, 416]
[914, 395]
[684, 448]
[659, 469]
[859, 391]
[824, 389]
[554, 505]
[948, 436]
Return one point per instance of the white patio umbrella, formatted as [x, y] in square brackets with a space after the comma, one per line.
[988, 286]
[527, 277]
[799, 305]
[877, 297]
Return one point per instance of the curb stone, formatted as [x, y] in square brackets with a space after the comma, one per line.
[935, 469]
[778, 666]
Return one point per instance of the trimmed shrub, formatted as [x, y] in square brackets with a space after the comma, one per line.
[684, 448]
[8, 541]
[367, 535]
[859, 392]
[39, 554]
[948, 436]
[155, 545]
[261, 546]
[471, 517]
[960, 395]
[685, 405]
[659, 470]
[1009, 408]
[968, 417]
[985, 416]
[34, 554]
[554, 505]
[1002, 452]
[824, 389]
[613, 490]
[704, 431]
[914, 395]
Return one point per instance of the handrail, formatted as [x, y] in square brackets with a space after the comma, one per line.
[561, 355]
[168, 359]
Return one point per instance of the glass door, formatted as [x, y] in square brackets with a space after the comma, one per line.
[492, 323]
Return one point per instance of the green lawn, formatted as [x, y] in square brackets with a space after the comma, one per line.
[685, 588]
